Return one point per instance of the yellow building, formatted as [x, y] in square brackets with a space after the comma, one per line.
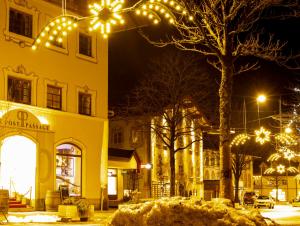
[53, 106]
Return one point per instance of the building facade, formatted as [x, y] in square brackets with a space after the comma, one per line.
[128, 156]
[53, 107]
[152, 163]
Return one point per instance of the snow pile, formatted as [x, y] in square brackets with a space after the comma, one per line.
[179, 211]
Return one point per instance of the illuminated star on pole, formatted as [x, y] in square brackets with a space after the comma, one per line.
[262, 135]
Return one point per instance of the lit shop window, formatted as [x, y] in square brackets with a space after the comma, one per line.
[69, 168]
[112, 183]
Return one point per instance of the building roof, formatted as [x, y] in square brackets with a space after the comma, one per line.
[114, 153]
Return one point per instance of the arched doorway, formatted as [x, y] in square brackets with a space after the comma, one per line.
[69, 168]
[18, 165]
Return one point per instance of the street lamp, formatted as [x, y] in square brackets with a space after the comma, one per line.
[260, 99]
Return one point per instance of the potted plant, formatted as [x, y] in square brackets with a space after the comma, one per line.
[68, 209]
[83, 209]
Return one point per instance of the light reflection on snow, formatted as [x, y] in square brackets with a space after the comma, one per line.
[33, 218]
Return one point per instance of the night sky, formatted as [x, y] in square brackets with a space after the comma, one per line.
[129, 56]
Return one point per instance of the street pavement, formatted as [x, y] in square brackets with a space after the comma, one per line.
[100, 218]
[283, 215]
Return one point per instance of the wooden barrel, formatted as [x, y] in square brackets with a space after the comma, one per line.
[4, 201]
[52, 200]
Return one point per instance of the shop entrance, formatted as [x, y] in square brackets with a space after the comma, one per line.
[18, 166]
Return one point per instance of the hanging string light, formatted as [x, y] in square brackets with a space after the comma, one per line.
[274, 157]
[106, 14]
[292, 169]
[262, 135]
[270, 170]
[240, 139]
[285, 139]
[157, 9]
[56, 30]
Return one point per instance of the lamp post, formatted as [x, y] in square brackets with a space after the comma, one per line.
[260, 99]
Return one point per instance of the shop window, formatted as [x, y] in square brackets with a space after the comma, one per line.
[54, 97]
[69, 168]
[85, 44]
[112, 186]
[19, 90]
[20, 23]
[85, 103]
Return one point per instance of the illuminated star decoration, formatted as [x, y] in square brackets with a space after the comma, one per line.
[154, 8]
[288, 154]
[240, 139]
[280, 169]
[106, 14]
[262, 135]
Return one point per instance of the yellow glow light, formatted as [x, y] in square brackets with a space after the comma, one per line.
[292, 169]
[107, 14]
[43, 120]
[285, 139]
[288, 130]
[262, 135]
[261, 98]
[240, 139]
[280, 169]
[56, 29]
[21, 177]
[274, 157]
[289, 154]
[163, 9]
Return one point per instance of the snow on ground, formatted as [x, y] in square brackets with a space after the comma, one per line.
[180, 211]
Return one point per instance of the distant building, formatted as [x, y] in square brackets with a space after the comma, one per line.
[133, 134]
[211, 156]
[53, 106]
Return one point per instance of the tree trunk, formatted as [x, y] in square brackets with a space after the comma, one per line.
[225, 91]
[172, 177]
[236, 189]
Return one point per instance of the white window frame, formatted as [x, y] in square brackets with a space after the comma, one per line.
[20, 39]
[93, 58]
[64, 89]
[93, 94]
[20, 73]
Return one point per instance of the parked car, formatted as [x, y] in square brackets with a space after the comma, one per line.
[249, 198]
[264, 201]
[296, 202]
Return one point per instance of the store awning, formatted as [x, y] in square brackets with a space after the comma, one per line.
[122, 159]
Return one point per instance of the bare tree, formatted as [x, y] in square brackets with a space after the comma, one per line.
[224, 31]
[166, 95]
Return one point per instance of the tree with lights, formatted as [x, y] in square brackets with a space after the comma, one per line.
[225, 31]
[167, 95]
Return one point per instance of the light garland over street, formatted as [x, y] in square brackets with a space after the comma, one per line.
[106, 14]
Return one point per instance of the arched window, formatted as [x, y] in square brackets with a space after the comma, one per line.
[69, 168]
